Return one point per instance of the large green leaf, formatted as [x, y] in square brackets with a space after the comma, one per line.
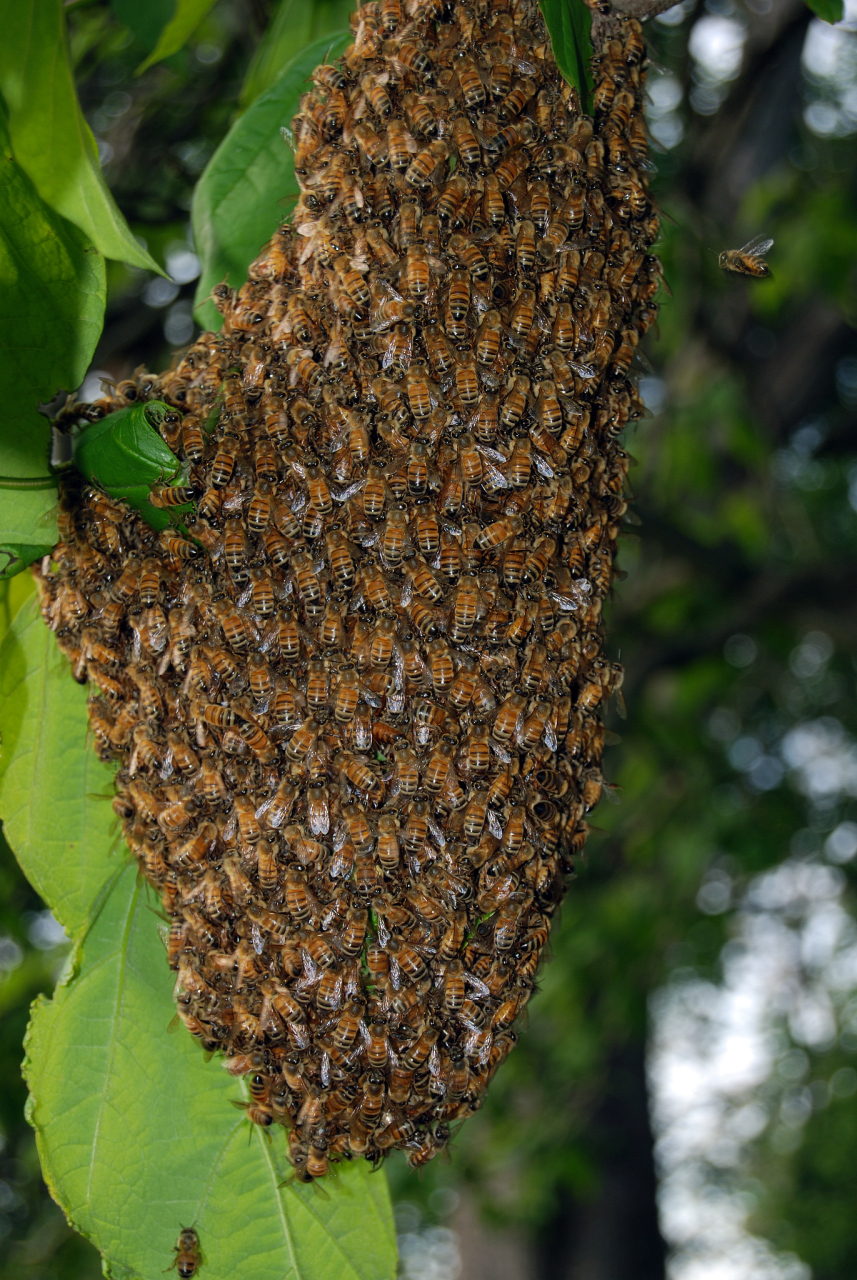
[52, 297]
[238, 201]
[52, 140]
[54, 791]
[569, 24]
[135, 1131]
[828, 10]
[294, 24]
[181, 26]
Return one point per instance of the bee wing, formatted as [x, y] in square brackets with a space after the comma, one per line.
[757, 247]
[543, 466]
[342, 495]
[496, 477]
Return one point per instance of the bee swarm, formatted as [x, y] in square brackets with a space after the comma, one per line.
[357, 715]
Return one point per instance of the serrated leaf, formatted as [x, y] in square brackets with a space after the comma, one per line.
[238, 201]
[187, 17]
[294, 25]
[828, 10]
[138, 1138]
[569, 24]
[52, 140]
[125, 456]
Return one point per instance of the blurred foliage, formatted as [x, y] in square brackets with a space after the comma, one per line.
[745, 554]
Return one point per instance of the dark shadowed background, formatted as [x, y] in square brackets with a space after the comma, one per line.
[684, 1098]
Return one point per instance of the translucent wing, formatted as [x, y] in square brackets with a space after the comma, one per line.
[757, 247]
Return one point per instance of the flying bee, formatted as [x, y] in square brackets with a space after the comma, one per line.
[747, 261]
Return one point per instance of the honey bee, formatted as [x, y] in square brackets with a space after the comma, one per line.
[458, 298]
[451, 198]
[224, 460]
[189, 1256]
[465, 142]
[379, 99]
[192, 439]
[747, 261]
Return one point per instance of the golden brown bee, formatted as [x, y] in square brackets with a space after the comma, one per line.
[192, 439]
[465, 141]
[224, 460]
[747, 261]
[189, 1256]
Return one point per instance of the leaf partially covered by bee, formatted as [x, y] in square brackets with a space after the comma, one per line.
[127, 455]
[357, 703]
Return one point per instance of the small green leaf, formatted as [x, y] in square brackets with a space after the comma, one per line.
[569, 24]
[124, 454]
[295, 24]
[237, 204]
[135, 1130]
[52, 141]
[828, 10]
[187, 17]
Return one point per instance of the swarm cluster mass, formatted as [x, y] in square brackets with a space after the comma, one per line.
[355, 696]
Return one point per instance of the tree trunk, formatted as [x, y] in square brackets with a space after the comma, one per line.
[614, 1233]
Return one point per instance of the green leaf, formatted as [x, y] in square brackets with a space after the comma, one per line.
[569, 24]
[54, 791]
[139, 1139]
[125, 455]
[52, 297]
[828, 10]
[52, 140]
[28, 522]
[294, 25]
[188, 15]
[238, 201]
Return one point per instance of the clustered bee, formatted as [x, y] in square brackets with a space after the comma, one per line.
[357, 701]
